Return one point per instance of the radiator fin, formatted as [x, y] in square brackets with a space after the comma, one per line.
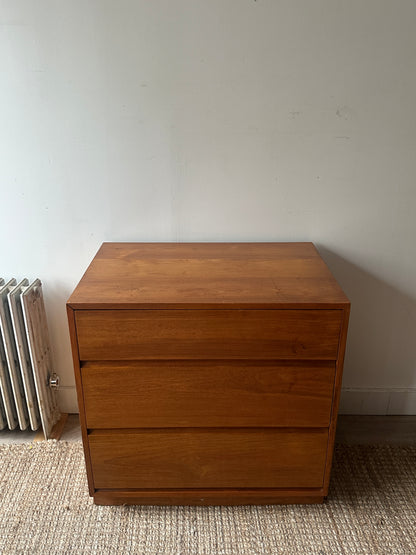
[40, 354]
[23, 353]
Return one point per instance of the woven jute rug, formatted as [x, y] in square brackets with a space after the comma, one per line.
[45, 508]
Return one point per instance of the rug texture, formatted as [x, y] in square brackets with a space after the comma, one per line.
[45, 508]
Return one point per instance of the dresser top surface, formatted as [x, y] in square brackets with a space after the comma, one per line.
[207, 275]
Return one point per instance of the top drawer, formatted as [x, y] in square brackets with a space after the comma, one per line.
[207, 334]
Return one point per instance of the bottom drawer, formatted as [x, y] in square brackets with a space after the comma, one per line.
[208, 458]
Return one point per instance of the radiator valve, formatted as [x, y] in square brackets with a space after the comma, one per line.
[53, 381]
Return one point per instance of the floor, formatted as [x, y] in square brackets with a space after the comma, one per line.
[352, 429]
[71, 432]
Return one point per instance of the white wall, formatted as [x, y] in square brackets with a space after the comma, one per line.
[218, 120]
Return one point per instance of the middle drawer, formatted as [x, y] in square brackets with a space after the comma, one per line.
[159, 394]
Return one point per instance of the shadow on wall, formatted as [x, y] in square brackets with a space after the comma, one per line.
[56, 294]
[382, 330]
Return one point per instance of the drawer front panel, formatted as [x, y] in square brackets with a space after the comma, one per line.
[208, 334]
[208, 458]
[159, 394]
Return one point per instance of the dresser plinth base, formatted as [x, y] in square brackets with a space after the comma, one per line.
[208, 497]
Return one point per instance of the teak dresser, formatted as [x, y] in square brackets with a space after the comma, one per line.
[208, 373]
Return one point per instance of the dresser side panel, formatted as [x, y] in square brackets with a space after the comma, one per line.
[80, 396]
[336, 397]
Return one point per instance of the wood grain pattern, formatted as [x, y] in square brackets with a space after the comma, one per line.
[207, 394]
[207, 275]
[208, 334]
[208, 458]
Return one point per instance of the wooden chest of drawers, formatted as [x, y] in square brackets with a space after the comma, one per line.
[208, 373]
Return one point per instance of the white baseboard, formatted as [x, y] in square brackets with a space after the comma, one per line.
[353, 401]
[378, 401]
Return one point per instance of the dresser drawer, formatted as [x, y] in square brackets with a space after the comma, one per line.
[196, 393]
[208, 334]
[208, 458]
